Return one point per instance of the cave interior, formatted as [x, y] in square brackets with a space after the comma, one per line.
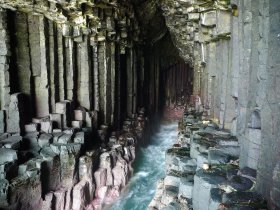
[80, 77]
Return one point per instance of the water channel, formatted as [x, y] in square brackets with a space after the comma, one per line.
[148, 168]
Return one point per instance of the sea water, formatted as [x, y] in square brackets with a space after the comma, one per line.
[149, 167]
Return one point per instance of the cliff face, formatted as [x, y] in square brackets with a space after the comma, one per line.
[232, 47]
[59, 50]
[71, 81]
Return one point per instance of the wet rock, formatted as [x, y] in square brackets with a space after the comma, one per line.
[91, 119]
[201, 160]
[79, 137]
[179, 163]
[4, 185]
[172, 206]
[22, 184]
[4, 136]
[12, 142]
[169, 195]
[236, 183]
[81, 195]
[45, 140]
[172, 181]
[70, 131]
[77, 124]
[7, 155]
[59, 199]
[120, 173]
[204, 181]
[56, 136]
[233, 151]
[248, 173]
[100, 177]
[186, 188]
[200, 145]
[46, 203]
[243, 200]
[46, 126]
[215, 198]
[32, 127]
[217, 157]
[105, 160]
[112, 194]
[65, 138]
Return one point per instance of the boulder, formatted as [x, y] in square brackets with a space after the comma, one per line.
[77, 124]
[65, 139]
[79, 137]
[12, 142]
[45, 140]
[7, 155]
[46, 126]
[32, 127]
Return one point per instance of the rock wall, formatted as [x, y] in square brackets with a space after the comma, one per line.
[51, 168]
[71, 87]
[55, 51]
[202, 170]
[232, 47]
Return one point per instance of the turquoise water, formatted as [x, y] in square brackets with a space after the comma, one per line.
[148, 168]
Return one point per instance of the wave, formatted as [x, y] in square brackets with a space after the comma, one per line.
[149, 168]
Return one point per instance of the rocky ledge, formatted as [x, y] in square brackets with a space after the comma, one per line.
[202, 171]
[57, 162]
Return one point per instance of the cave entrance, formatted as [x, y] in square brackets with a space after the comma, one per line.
[178, 84]
[170, 79]
[177, 87]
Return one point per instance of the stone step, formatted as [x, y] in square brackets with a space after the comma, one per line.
[243, 200]
[204, 181]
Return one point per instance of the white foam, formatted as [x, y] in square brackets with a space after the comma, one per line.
[150, 168]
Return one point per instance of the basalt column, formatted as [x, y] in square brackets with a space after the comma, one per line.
[37, 40]
[5, 54]
[70, 74]
[84, 74]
